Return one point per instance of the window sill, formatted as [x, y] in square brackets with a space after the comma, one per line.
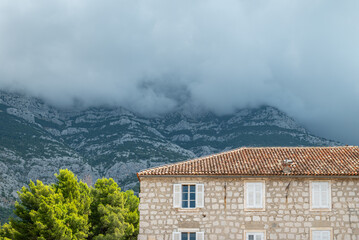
[189, 210]
[320, 209]
[254, 209]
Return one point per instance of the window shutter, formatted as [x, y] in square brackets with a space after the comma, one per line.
[250, 195]
[321, 195]
[324, 194]
[316, 235]
[199, 195]
[200, 236]
[321, 235]
[326, 235]
[176, 196]
[255, 236]
[258, 195]
[255, 194]
[176, 235]
[315, 194]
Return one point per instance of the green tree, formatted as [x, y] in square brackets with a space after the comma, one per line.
[133, 215]
[59, 211]
[114, 214]
[69, 209]
[6, 231]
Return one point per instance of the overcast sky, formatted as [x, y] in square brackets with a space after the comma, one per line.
[150, 56]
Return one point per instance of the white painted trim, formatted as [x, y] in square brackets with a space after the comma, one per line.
[188, 230]
[188, 210]
[174, 234]
[178, 194]
[254, 231]
[196, 209]
[263, 195]
[329, 200]
[199, 235]
[199, 193]
[322, 229]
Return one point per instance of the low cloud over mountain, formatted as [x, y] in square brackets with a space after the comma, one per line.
[151, 56]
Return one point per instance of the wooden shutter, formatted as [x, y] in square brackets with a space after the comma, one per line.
[316, 235]
[258, 195]
[324, 191]
[255, 194]
[176, 236]
[199, 235]
[315, 194]
[255, 236]
[177, 196]
[199, 195]
[250, 195]
[321, 195]
[325, 235]
[321, 235]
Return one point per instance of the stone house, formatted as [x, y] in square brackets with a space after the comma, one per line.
[309, 193]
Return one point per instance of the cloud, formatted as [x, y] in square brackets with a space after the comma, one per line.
[151, 56]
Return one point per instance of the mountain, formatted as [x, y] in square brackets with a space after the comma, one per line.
[37, 139]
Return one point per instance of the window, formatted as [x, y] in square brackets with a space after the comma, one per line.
[188, 236]
[254, 195]
[254, 236]
[320, 191]
[188, 196]
[321, 234]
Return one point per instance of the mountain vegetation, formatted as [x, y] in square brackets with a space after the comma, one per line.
[69, 209]
[37, 139]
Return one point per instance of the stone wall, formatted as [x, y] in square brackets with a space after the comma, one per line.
[287, 212]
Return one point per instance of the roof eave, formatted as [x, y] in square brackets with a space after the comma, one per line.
[252, 176]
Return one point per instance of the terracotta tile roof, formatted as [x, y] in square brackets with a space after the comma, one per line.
[268, 161]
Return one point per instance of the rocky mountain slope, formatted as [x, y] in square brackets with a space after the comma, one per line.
[36, 140]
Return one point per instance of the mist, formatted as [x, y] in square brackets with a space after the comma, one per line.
[154, 56]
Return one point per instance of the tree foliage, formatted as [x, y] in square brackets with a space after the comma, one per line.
[69, 209]
[114, 214]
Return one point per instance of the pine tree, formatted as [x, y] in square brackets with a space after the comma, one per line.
[59, 211]
[114, 214]
[6, 231]
[69, 209]
[133, 215]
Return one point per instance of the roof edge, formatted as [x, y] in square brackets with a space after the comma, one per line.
[252, 176]
[237, 149]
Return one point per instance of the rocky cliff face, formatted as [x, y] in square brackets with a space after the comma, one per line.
[36, 140]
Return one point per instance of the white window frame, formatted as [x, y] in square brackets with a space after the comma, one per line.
[321, 208]
[261, 232]
[189, 198]
[255, 208]
[199, 195]
[199, 234]
[330, 230]
[195, 233]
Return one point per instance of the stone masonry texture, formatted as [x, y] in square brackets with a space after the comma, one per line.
[287, 213]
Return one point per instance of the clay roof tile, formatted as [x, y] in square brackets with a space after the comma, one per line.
[267, 161]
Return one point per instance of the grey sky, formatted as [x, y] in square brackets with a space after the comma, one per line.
[301, 56]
